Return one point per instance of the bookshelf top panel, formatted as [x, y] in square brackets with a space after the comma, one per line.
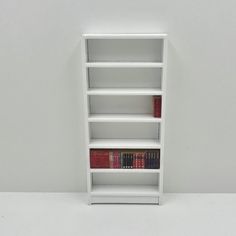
[125, 36]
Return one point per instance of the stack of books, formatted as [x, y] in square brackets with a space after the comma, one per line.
[157, 106]
[126, 159]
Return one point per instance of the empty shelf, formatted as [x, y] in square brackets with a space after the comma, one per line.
[124, 190]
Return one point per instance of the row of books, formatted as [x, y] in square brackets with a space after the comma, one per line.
[157, 106]
[126, 159]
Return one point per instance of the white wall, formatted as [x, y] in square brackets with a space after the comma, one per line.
[41, 120]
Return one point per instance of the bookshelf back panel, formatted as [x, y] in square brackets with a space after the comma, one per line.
[121, 104]
[125, 78]
[125, 178]
[124, 130]
[125, 50]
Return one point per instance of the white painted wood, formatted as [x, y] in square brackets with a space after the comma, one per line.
[125, 36]
[124, 190]
[125, 64]
[123, 118]
[162, 126]
[124, 91]
[129, 171]
[117, 191]
[125, 199]
[125, 143]
[86, 112]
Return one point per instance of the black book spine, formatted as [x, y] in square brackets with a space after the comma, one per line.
[130, 156]
[151, 160]
[158, 159]
[125, 160]
[131, 160]
[155, 160]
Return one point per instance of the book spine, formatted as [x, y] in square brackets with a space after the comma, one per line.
[134, 157]
[128, 160]
[148, 160]
[131, 161]
[125, 160]
[158, 159]
[153, 161]
[143, 164]
[114, 159]
[145, 160]
[111, 159]
[118, 160]
[157, 106]
[139, 161]
[121, 160]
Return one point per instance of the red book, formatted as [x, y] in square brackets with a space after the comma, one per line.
[134, 160]
[99, 159]
[142, 160]
[138, 161]
[157, 106]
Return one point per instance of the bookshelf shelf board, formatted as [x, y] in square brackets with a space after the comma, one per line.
[124, 64]
[123, 118]
[124, 190]
[125, 143]
[129, 171]
[124, 91]
[124, 36]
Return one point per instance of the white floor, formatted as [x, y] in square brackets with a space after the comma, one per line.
[67, 214]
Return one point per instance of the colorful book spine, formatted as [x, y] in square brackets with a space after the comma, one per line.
[143, 159]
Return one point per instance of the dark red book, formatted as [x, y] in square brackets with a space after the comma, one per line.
[99, 159]
[157, 106]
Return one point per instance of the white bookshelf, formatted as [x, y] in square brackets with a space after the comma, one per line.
[121, 74]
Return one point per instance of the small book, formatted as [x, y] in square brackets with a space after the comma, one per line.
[157, 100]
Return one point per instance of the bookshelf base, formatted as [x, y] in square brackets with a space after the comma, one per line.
[122, 199]
[124, 194]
